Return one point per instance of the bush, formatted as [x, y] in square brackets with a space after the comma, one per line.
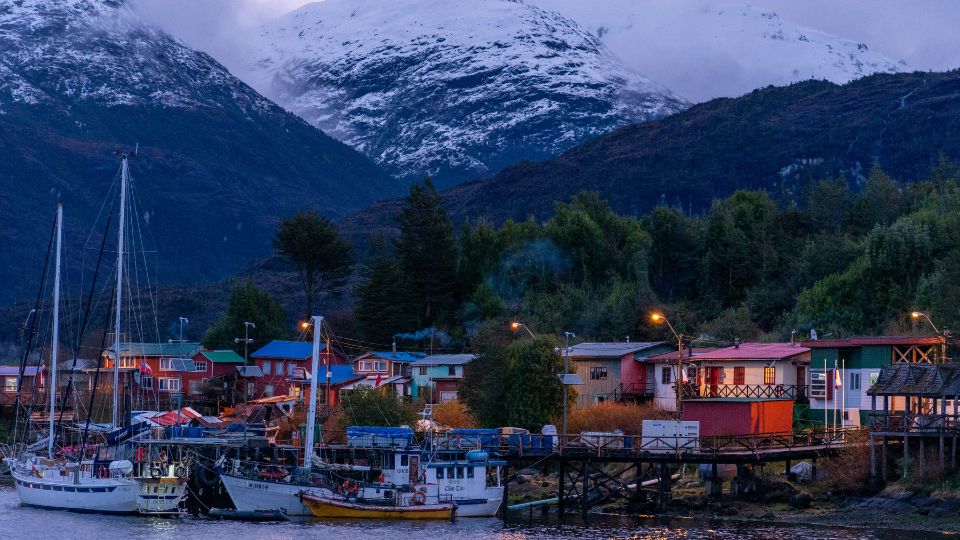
[848, 471]
[608, 416]
[454, 414]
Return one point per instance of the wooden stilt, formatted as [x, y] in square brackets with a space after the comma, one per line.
[585, 491]
[883, 466]
[561, 489]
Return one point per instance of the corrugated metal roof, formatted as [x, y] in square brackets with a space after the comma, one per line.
[157, 349]
[872, 340]
[278, 348]
[400, 356]
[15, 370]
[446, 360]
[339, 374]
[917, 380]
[753, 351]
[223, 357]
[610, 349]
[672, 355]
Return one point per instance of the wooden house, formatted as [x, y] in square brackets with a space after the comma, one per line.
[148, 370]
[209, 365]
[437, 378]
[383, 369]
[9, 376]
[285, 364]
[613, 371]
[860, 359]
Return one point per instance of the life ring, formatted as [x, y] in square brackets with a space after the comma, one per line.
[351, 486]
[156, 471]
[102, 472]
[419, 498]
[180, 470]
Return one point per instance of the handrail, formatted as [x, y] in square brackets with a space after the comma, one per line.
[790, 391]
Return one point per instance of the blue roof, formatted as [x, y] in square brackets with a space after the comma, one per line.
[279, 348]
[340, 374]
[398, 356]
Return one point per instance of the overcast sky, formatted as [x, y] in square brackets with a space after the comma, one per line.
[923, 33]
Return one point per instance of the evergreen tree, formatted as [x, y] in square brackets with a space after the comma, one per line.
[427, 254]
[533, 393]
[385, 304]
[247, 304]
[312, 245]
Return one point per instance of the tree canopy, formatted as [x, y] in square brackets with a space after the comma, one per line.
[247, 304]
[312, 245]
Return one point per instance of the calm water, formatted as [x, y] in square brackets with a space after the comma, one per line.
[32, 524]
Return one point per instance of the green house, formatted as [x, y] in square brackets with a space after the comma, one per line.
[842, 370]
[437, 378]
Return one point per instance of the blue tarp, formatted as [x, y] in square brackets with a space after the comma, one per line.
[373, 436]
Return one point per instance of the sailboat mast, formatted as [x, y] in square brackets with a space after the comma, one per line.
[55, 346]
[124, 177]
[312, 407]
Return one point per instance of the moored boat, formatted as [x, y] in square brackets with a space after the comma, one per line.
[394, 505]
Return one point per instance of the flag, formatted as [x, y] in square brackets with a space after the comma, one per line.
[40, 374]
[379, 379]
[837, 378]
[145, 368]
[684, 373]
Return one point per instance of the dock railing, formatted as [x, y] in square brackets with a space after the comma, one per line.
[796, 392]
[914, 423]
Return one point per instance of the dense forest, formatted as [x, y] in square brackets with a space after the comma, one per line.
[840, 262]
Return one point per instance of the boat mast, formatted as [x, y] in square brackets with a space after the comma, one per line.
[124, 177]
[312, 407]
[55, 347]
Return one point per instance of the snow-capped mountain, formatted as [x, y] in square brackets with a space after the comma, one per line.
[450, 88]
[706, 48]
[219, 163]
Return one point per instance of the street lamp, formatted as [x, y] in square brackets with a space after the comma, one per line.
[566, 369]
[941, 335]
[660, 318]
[516, 326]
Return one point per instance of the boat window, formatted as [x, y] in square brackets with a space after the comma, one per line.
[470, 472]
[459, 472]
[388, 494]
[440, 473]
[403, 460]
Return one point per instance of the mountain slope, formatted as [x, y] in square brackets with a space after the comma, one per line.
[777, 138]
[219, 164]
[707, 48]
[448, 88]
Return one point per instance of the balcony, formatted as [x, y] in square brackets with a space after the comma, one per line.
[797, 392]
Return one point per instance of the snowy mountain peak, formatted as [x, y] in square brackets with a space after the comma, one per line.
[446, 87]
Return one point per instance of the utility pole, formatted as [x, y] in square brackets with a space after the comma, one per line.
[566, 369]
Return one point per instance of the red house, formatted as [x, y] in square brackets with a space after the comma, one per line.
[286, 366]
[148, 369]
[208, 365]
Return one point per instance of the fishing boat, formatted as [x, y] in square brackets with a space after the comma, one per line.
[161, 476]
[391, 504]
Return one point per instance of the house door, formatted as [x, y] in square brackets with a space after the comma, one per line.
[713, 380]
[414, 469]
[801, 381]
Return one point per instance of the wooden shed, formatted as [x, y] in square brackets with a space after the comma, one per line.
[740, 416]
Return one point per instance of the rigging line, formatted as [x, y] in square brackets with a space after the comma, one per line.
[83, 326]
[36, 315]
[96, 379]
[153, 301]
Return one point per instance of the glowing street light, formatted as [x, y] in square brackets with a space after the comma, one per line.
[941, 335]
[660, 318]
[516, 326]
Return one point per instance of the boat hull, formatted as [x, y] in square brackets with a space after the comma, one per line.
[160, 495]
[334, 508]
[100, 496]
[477, 507]
[250, 495]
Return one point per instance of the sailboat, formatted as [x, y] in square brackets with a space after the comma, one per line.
[107, 483]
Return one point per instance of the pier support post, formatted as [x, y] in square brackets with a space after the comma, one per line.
[713, 485]
[561, 489]
[504, 512]
[873, 459]
[883, 460]
[585, 491]
[664, 499]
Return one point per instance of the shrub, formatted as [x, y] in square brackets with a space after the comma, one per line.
[454, 414]
[848, 471]
[608, 416]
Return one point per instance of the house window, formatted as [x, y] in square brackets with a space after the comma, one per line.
[268, 390]
[10, 384]
[598, 373]
[665, 375]
[146, 382]
[451, 371]
[380, 365]
[423, 370]
[739, 375]
[267, 367]
[127, 362]
[166, 364]
[295, 391]
[365, 366]
[169, 384]
[200, 366]
[279, 369]
[195, 388]
[769, 375]
[854, 381]
[691, 373]
[291, 370]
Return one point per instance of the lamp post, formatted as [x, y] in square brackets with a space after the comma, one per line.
[660, 318]
[941, 335]
[566, 369]
[516, 326]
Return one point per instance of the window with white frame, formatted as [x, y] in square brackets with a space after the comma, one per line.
[451, 371]
[423, 370]
[598, 373]
[380, 365]
[366, 366]
[267, 367]
[127, 362]
[854, 381]
[666, 375]
[291, 370]
[268, 390]
[166, 364]
[10, 384]
[200, 366]
[169, 384]
[279, 369]
[146, 382]
[196, 388]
